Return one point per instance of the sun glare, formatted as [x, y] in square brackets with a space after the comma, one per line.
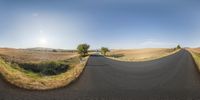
[42, 42]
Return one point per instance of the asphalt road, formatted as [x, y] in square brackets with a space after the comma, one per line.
[170, 78]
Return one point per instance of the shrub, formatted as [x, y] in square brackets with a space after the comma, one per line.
[54, 50]
[53, 68]
[45, 68]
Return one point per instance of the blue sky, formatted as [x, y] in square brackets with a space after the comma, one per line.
[119, 24]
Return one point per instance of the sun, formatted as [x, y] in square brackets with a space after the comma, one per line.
[43, 42]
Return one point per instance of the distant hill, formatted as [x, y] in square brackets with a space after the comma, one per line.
[49, 49]
[40, 49]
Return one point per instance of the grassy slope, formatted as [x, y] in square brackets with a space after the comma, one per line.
[29, 80]
[196, 57]
[142, 54]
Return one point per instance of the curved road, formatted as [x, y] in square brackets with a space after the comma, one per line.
[170, 78]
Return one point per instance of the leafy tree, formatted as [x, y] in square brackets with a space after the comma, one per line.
[104, 50]
[83, 49]
[178, 47]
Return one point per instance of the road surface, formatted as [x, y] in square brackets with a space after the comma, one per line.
[170, 78]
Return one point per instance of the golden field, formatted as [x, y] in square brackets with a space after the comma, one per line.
[23, 55]
[140, 54]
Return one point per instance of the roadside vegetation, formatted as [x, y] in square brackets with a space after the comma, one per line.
[137, 55]
[40, 70]
[46, 68]
[195, 52]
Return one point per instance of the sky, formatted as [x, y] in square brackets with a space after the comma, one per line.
[116, 24]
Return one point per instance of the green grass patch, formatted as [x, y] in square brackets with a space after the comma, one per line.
[45, 68]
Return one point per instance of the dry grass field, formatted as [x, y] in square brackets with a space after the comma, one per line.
[10, 60]
[23, 55]
[140, 54]
[197, 50]
[196, 55]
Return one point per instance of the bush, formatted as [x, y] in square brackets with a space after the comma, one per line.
[45, 68]
[54, 50]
